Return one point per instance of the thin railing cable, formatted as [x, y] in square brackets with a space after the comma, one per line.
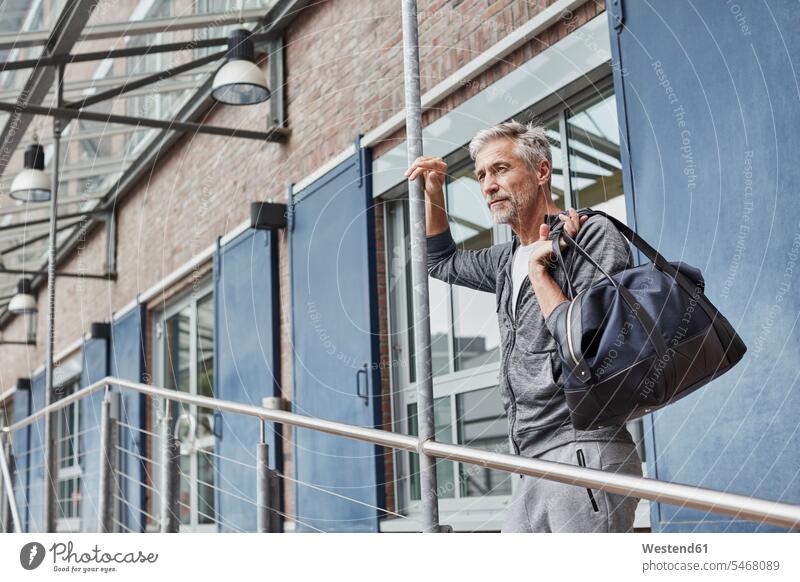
[229, 459]
[136, 428]
[136, 481]
[131, 453]
[295, 519]
[223, 491]
[213, 519]
[357, 501]
[124, 527]
[132, 506]
[737, 505]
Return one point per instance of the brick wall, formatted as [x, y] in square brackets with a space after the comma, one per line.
[344, 76]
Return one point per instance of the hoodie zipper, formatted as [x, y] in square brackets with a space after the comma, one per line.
[508, 355]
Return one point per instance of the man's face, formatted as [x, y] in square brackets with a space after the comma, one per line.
[508, 185]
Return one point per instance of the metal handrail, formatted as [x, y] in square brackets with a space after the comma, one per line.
[739, 506]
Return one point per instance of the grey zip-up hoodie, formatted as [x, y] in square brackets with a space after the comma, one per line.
[530, 379]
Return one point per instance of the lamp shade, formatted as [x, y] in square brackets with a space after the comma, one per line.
[32, 184]
[239, 81]
[23, 302]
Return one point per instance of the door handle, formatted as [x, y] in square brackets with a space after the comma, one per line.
[192, 434]
[365, 395]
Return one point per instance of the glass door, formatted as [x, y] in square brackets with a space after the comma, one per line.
[186, 345]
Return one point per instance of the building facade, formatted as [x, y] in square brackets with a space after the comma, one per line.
[650, 120]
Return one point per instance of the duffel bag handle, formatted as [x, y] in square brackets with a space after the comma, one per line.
[641, 314]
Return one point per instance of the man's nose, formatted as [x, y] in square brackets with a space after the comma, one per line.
[489, 186]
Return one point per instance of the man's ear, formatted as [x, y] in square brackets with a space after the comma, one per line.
[543, 172]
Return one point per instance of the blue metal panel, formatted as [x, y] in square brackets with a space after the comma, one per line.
[247, 367]
[334, 316]
[94, 368]
[21, 448]
[127, 362]
[34, 518]
[708, 109]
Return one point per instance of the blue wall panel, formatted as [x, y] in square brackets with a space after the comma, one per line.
[334, 317]
[127, 362]
[21, 447]
[708, 107]
[246, 367]
[35, 474]
[95, 367]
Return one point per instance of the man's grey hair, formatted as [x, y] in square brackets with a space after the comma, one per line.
[532, 145]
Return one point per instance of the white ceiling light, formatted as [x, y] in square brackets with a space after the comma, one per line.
[32, 184]
[23, 302]
[240, 81]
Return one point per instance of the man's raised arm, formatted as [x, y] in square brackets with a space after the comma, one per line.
[476, 269]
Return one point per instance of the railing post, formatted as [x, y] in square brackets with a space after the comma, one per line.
[10, 514]
[267, 489]
[108, 455]
[170, 478]
[3, 495]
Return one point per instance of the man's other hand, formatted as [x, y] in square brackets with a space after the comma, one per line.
[572, 224]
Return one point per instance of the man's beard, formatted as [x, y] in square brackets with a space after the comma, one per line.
[505, 212]
[508, 212]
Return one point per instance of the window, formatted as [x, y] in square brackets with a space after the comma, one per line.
[595, 168]
[464, 330]
[69, 477]
[185, 362]
[465, 354]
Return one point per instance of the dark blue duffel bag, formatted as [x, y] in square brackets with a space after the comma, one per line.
[640, 339]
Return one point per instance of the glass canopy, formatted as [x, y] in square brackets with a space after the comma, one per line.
[94, 155]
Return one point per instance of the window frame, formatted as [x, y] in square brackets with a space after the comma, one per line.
[74, 471]
[202, 290]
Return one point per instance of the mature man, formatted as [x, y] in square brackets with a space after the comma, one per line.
[513, 165]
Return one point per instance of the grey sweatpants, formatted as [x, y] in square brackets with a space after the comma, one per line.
[541, 505]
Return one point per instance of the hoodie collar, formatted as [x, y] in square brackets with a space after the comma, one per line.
[550, 219]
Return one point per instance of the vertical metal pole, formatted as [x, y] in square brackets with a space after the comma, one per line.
[7, 470]
[267, 489]
[262, 485]
[3, 511]
[419, 271]
[108, 453]
[50, 469]
[170, 482]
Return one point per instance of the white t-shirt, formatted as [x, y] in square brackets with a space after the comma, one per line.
[519, 271]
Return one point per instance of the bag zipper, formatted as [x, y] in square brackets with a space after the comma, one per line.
[569, 329]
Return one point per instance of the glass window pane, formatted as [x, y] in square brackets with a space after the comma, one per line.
[177, 360]
[482, 424]
[185, 497]
[443, 428]
[205, 488]
[557, 183]
[440, 330]
[205, 362]
[594, 160]
[438, 300]
[177, 351]
[476, 338]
